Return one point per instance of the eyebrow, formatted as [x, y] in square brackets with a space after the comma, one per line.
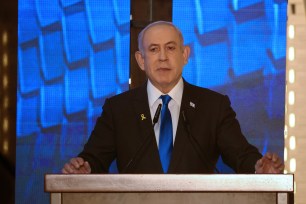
[170, 42]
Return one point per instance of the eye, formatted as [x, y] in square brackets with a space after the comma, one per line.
[153, 49]
[171, 48]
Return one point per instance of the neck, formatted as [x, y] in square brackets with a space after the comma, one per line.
[165, 88]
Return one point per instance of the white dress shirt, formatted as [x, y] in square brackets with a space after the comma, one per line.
[174, 105]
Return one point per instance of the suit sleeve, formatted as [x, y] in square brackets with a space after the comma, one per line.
[235, 149]
[100, 149]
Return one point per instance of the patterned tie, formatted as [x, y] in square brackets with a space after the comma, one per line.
[165, 135]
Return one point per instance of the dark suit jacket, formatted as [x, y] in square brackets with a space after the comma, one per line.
[209, 130]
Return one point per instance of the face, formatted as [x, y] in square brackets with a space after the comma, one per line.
[163, 56]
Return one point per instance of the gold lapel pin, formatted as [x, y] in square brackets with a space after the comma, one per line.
[143, 117]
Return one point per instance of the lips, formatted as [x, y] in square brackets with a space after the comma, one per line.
[163, 68]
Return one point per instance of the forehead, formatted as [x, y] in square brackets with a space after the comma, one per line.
[160, 34]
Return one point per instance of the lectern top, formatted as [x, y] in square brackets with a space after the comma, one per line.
[169, 183]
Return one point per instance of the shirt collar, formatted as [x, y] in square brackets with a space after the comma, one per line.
[176, 93]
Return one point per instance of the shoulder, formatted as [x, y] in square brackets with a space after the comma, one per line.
[206, 99]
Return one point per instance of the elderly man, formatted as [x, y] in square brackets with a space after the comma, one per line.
[168, 125]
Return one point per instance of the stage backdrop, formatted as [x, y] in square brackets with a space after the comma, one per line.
[73, 54]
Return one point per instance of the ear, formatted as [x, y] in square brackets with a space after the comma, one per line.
[186, 53]
[140, 59]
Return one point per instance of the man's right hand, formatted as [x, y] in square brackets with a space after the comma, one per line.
[76, 166]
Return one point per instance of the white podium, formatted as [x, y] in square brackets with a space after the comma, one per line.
[170, 188]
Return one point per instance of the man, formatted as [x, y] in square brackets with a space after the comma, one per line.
[202, 123]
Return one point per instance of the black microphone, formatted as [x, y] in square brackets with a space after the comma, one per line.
[156, 115]
[146, 140]
[196, 145]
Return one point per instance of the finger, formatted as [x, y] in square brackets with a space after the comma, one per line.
[83, 171]
[275, 157]
[268, 155]
[80, 161]
[259, 162]
[76, 162]
[282, 168]
[69, 168]
[277, 167]
[279, 170]
[259, 166]
[278, 163]
[64, 171]
[87, 167]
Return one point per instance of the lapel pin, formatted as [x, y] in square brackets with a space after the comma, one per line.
[192, 104]
[143, 117]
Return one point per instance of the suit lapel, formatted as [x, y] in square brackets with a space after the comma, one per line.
[188, 106]
[142, 112]
[147, 136]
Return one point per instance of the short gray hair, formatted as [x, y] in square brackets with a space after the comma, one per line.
[141, 34]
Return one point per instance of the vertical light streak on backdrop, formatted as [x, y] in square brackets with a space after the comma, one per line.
[295, 140]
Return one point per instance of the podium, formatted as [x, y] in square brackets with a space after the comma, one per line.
[169, 188]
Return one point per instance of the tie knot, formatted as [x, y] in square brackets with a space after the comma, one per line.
[166, 99]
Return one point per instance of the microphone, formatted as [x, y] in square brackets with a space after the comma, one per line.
[146, 140]
[196, 144]
[156, 115]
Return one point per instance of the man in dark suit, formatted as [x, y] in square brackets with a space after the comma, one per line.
[203, 124]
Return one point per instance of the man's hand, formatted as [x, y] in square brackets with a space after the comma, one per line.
[269, 164]
[76, 166]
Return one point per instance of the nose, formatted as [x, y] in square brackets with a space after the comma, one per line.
[163, 55]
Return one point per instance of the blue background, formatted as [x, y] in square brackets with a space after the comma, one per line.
[73, 54]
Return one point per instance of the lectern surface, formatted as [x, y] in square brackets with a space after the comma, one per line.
[221, 188]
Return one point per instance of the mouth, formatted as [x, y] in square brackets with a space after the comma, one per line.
[163, 69]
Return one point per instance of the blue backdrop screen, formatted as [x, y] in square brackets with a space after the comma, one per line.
[238, 48]
[73, 54]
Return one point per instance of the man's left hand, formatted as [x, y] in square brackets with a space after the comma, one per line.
[270, 163]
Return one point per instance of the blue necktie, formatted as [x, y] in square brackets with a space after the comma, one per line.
[165, 135]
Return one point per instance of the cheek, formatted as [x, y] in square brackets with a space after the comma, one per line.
[180, 64]
[150, 64]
